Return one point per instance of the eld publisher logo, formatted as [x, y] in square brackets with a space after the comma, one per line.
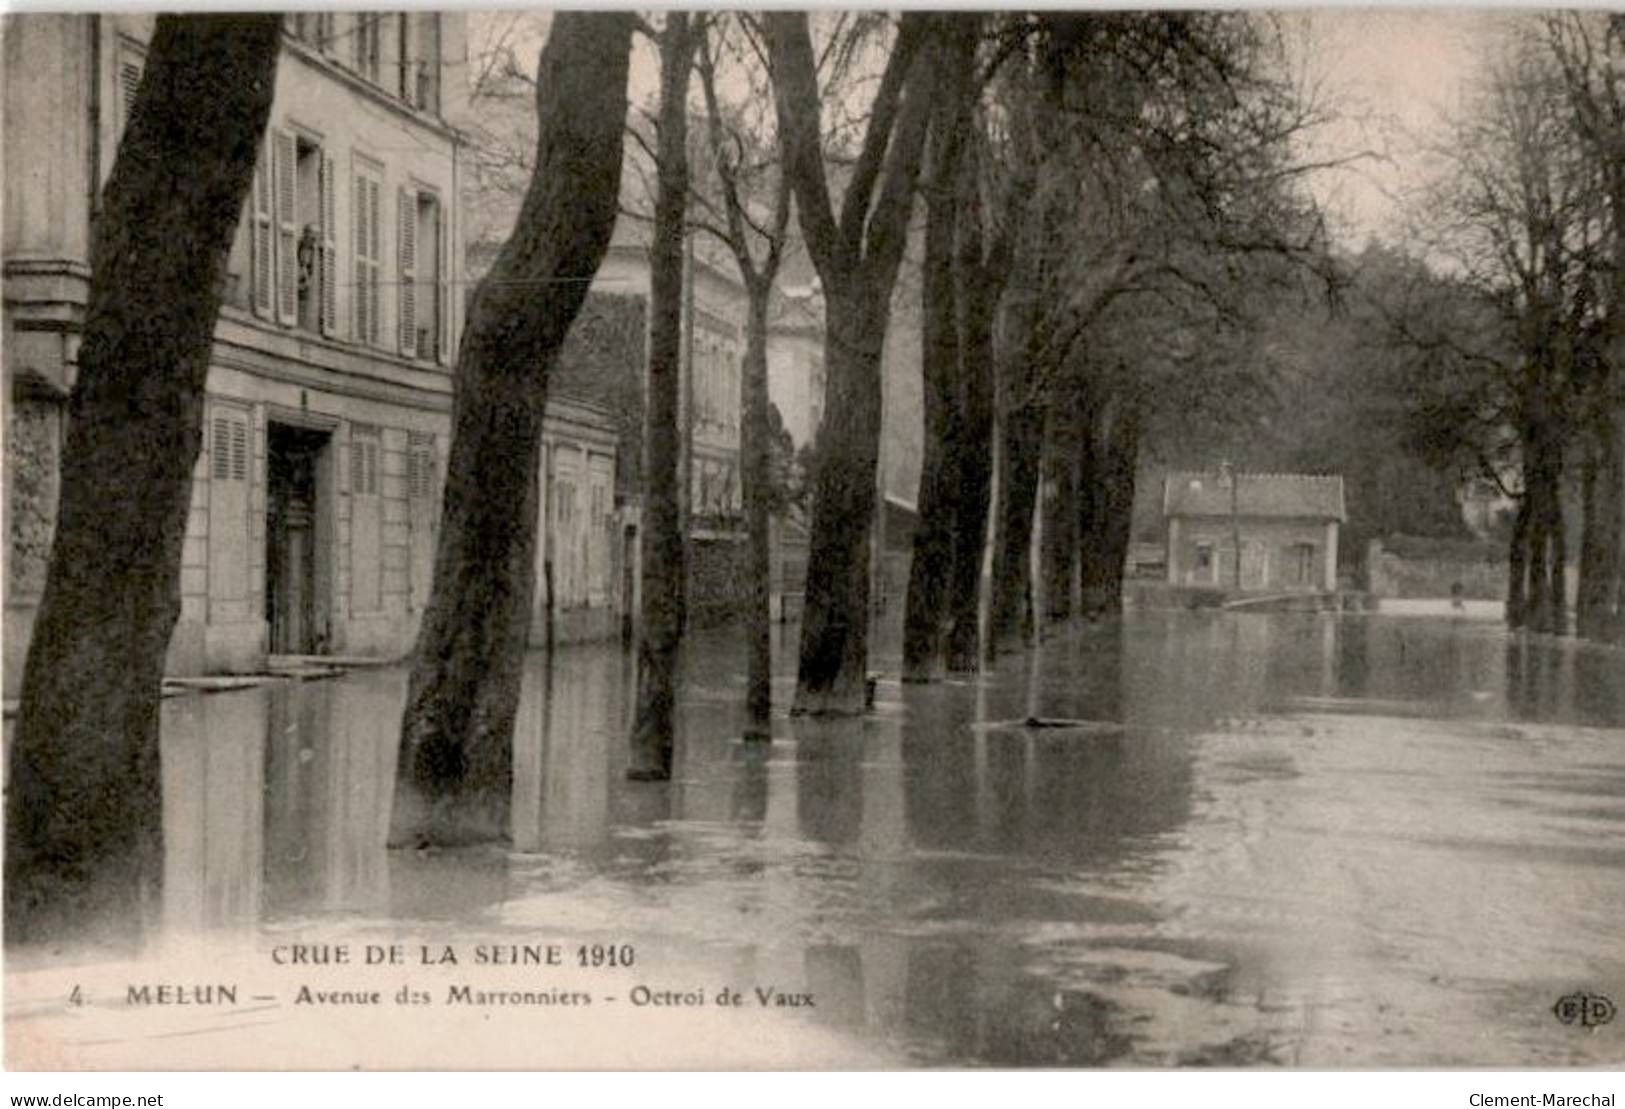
[1586, 1009]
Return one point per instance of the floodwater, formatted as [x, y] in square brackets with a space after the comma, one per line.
[1186, 839]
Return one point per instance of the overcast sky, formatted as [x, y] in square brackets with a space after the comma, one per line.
[1391, 77]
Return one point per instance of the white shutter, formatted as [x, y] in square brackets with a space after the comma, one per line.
[228, 505]
[129, 80]
[363, 227]
[262, 239]
[375, 254]
[407, 222]
[284, 176]
[330, 253]
[444, 257]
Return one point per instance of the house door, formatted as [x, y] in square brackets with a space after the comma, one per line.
[1254, 564]
[291, 540]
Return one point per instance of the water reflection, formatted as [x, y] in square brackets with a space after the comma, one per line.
[943, 876]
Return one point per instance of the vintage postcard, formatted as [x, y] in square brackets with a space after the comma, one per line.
[821, 541]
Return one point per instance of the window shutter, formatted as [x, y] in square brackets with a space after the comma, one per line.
[220, 449]
[129, 80]
[407, 221]
[284, 160]
[228, 446]
[445, 258]
[363, 225]
[375, 253]
[330, 253]
[263, 237]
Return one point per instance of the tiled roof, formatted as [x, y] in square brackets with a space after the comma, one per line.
[1275, 496]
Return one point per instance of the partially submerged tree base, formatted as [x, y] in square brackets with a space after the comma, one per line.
[84, 812]
[457, 728]
[462, 821]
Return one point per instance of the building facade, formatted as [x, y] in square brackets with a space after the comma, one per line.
[316, 497]
[1286, 526]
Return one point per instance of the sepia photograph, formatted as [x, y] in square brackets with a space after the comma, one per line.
[835, 540]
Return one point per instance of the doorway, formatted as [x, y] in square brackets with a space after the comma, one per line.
[295, 540]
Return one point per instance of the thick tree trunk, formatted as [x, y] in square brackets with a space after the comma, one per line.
[857, 255]
[664, 573]
[757, 490]
[1060, 512]
[1517, 605]
[937, 502]
[1599, 545]
[1103, 592]
[84, 807]
[1538, 541]
[835, 622]
[978, 289]
[1010, 622]
[457, 728]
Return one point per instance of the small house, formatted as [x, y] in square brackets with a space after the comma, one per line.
[1285, 526]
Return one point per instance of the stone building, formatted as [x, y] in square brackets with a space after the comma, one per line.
[1286, 525]
[315, 504]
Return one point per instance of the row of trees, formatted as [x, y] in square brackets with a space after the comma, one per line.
[1100, 190]
[1111, 215]
[1521, 320]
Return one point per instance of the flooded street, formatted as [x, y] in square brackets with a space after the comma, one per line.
[1194, 838]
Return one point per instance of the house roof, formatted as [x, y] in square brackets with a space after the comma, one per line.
[1272, 496]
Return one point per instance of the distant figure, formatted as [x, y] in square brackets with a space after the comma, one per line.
[1458, 596]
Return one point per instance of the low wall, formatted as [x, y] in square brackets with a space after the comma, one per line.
[1407, 568]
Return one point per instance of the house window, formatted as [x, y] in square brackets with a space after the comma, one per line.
[295, 252]
[366, 519]
[1206, 565]
[369, 45]
[367, 219]
[130, 64]
[315, 28]
[420, 465]
[1303, 563]
[730, 398]
[425, 288]
[419, 80]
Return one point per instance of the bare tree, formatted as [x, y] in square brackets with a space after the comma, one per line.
[1519, 213]
[664, 575]
[457, 729]
[857, 253]
[83, 809]
[739, 160]
[1589, 48]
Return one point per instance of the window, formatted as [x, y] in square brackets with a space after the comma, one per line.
[730, 398]
[421, 516]
[419, 80]
[228, 445]
[132, 63]
[1303, 563]
[369, 45]
[366, 520]
[420, 465]
[295, 253]
[367, 220]
[425, 288]
[315, 28]
[1206, 567]
[228, 503]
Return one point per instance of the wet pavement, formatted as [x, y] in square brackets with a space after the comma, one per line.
[1186, 839]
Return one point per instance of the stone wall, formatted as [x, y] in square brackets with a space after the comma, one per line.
[1409, 568]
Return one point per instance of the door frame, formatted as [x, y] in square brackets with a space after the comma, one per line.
[324, 529]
